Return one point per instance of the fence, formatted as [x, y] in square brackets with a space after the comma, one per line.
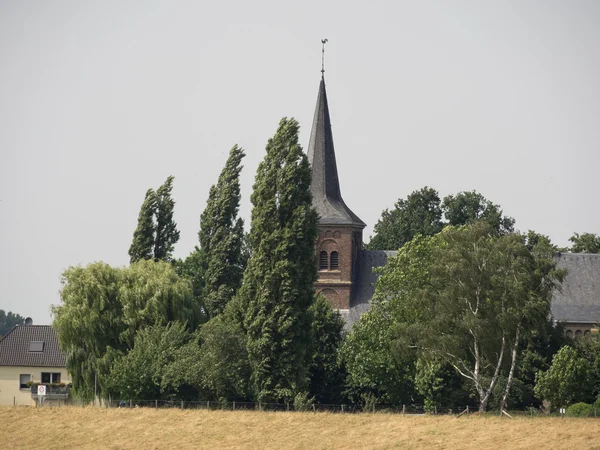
[336, 409]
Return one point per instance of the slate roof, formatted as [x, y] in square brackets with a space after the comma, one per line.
[364, 286]
[325, 186]
[578, 301]
[579, 298]
[14, 347]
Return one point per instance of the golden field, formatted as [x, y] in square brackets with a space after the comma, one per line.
[85, 428]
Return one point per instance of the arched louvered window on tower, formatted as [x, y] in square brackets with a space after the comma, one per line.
[334, 261]
[323, 260]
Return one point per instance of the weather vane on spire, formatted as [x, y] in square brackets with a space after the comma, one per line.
[323, 41]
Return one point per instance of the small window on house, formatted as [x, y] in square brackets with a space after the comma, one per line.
[323, 261]
[578, 334]
[586, 333]
[48, 377]
[569, 334]
[36, 346]
[334, 264]
[23, 380]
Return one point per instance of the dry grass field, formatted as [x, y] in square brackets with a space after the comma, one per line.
[85, 428]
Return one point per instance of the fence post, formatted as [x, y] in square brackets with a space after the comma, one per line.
[403, 409]
[181, 404]
[342, 408]
[467, 410]
[208, 404]
[435, 410]
[314, 408]
[130, 404]
[234, 405]
[156, 403]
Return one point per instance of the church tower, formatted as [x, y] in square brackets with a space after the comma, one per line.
[339, 230]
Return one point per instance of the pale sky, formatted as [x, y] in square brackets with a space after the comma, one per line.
[101, 100]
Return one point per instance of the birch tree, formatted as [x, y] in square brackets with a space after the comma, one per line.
[465, 296]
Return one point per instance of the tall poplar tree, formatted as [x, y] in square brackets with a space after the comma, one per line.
[142, 246]
[278, 291]
[167, 234]
[221, 236]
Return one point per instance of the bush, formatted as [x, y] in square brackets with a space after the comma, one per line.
[580, 410]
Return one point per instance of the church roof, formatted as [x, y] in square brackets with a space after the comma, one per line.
[325, 185]
[579, 298]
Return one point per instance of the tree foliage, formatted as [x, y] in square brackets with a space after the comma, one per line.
[278, 283]
[374, 370]
[567, 381]
[422, 211]
[465, 296]
[470, 206]
[8, 320]
[156, 233]
[142, 246]
[585, 243]
[104, 307]
[167, 234]
[221, 237]
[326, 373]
[140, 373]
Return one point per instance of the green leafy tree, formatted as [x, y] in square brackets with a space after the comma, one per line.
[139, 374]
[470, 206]
[585, 243]
[142, 246]
[8, 320]
[167, 234]
[326, 373]
[374, 370]
[102, 310]
[567, 381]
[277, 290]
[215, 365]
[466, 296]
[89, 323]
[420, 213]
[151, 293]
[221, 237]
[192, 268]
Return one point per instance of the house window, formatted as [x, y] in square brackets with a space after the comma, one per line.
[578, 334]
[48, 377]
[334, 262]
[323, 261]
[23, 380]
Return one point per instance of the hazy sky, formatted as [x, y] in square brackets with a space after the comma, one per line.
[101, 100]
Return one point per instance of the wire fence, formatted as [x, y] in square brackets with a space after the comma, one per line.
[371, 408]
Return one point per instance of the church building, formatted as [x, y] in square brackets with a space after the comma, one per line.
[345, 269]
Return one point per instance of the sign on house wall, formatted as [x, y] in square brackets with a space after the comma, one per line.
[41, 390]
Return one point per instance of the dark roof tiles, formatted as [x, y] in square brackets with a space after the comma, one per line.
[579, 298]
[325, 186]
[14, 347]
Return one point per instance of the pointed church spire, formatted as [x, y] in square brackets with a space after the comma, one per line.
[325, 185]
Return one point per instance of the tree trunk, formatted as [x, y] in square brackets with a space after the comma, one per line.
[513, 363]
[488, 392]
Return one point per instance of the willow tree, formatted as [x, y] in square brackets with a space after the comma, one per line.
[277, 289]
[103, 308]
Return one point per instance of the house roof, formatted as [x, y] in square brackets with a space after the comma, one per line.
[579, 298]
[16, 346]
[325, 186]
